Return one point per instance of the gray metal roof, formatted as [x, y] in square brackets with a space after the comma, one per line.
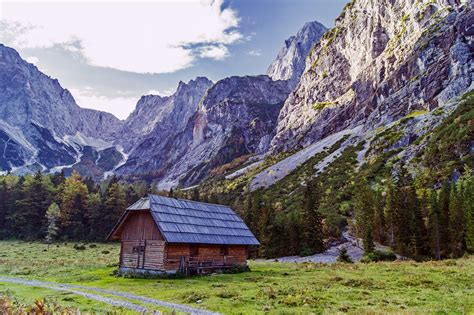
[186, 221]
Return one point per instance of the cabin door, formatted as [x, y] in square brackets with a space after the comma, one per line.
[140, 252]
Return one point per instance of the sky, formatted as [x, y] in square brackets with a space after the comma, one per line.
[109, 53]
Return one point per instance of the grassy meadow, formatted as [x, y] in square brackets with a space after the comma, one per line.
[445, 287]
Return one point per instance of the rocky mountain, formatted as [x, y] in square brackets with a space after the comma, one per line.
[156, 121]
[41, 126]
[290, 62]
[382, 63]
[180, 143]
[237, 117]
[382, 60]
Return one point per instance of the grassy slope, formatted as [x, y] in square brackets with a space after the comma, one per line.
[403, 287]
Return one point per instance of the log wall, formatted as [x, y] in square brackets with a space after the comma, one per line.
[237, 255]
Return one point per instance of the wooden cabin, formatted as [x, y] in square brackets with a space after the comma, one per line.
[167, 235]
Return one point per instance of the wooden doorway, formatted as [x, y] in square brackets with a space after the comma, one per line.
[139, 251]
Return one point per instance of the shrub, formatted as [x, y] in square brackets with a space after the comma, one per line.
[344, 256]
[79, 247]
[378, 255]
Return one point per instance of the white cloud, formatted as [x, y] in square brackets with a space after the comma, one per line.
[214, 52]
[161, 93]
[34, 60]
[255, 52]
[147, 37]
[121, 106]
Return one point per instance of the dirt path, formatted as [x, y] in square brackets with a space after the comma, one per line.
[330, 255]
[76, 289]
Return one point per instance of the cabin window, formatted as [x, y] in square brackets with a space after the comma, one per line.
[224, 250]
[194, 250]
[138, 249]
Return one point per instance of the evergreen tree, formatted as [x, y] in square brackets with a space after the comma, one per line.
[96, 214]
[74, 207]
[443, 204]
[456, 221]
[434, 225]
[391, 205]
[29, 214]
[379, 217]
[266, 221]
[58, 178]
[311, 221]
[405, 203]
[256, 209]
[115, 205]
[91, 185]
[132, 196]
[468, 204]
[4, 211]
[364, 210]
[195, 196]
[52, 218]
[418, 243]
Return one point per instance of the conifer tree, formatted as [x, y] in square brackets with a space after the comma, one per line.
[4, 211]
[405, 202]
[52, 218]
[195, 196]
[468, 204]
[443, 204]
[95, 214]
[132, 196]
[311, 223]
[115, 206]
[74, 207]
[379, 217]
[434, 225]
[391, 204]
[418, 243]
[29, 215]
[265, 224]
[456, 221]
[256, 209]
[364, 210]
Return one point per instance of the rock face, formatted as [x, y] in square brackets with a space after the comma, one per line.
[155, 122]
[236, 117]
[382, 60]
[291, 60]
[38, 118]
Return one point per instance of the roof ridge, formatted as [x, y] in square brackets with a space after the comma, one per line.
[193, 201]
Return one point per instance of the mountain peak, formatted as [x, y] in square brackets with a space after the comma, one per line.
[291, 59]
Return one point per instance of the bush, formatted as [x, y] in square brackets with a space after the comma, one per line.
[306, 252]
[79, 247]
[344, 256]
[378, 255]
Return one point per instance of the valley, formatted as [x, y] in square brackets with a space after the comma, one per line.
[271, 287]
[350, 160]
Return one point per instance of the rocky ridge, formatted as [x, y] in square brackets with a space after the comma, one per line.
[290, 62]
[382, 60]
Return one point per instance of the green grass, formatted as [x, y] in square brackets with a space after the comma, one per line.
[275, 288]
[322, 105]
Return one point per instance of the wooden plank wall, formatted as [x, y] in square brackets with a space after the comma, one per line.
[128, 258]
[140, 226]
[173, 254]
[154, 255]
